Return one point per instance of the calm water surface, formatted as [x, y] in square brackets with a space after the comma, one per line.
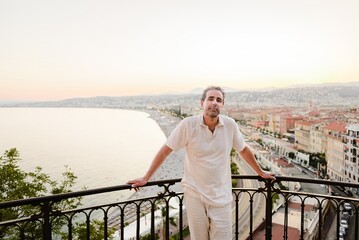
[103, 147]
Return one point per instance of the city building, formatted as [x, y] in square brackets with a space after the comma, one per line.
[287, 122]
[302, 134]
[352, 154]
[316, 143]
[335, 150]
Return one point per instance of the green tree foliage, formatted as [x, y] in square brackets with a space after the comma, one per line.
[148, 237]
[17, 184]
[275, 198]
[234, 167]
[291, 155]
[185, 233]
[317, 158]
[233, 153]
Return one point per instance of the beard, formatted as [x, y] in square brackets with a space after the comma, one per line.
[212, 112]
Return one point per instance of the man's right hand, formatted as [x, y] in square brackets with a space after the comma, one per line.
[138, 182]
[156, 162]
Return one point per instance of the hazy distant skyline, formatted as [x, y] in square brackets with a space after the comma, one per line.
[52, 50]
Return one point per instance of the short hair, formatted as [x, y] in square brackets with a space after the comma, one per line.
[204, 94]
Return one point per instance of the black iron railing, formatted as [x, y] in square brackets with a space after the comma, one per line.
[256, 211]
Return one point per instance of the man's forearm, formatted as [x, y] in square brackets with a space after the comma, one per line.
[248, 156]
[157, 161]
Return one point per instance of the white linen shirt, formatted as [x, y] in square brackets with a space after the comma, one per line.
[207, 164]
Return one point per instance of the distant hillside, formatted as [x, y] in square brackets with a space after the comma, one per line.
[347, 84]
[321, 95]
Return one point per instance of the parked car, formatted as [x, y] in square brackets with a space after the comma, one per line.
[334, 193]
[347, 207]
[341, 188]
[348, 193]
[342, 231]
[346, 216]
[344, 224]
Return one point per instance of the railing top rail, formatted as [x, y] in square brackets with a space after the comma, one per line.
[303, 180]
[59, 197]
[317, 181]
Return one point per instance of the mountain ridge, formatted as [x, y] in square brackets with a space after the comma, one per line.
[324, 94]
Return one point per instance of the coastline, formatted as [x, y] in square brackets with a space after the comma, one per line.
[172, 168]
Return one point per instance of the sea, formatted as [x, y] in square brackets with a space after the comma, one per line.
[102, 147]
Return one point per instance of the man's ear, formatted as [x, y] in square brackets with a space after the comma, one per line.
[201, 103]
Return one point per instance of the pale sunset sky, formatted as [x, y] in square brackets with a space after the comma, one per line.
[52, 50]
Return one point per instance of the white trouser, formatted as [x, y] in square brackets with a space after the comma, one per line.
[207, 222]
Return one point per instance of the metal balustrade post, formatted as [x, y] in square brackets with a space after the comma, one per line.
[302, 206]
[237, 217]
[251, 218]
[268, 184]
[181, 218]
[70, 230]
[153, 209]
[88, 228]
[46, 209]
[356, 209]
[286, 218]
[138, 222]
[167, 233]
[320, 221]
[105, 227]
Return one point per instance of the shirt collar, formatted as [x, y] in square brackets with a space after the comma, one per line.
[220, 120]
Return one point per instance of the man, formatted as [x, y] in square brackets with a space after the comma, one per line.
[208, 139]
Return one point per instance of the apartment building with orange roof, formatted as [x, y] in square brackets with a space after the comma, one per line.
[287, 122]
[254, 117]
[334, 127]
[334, 134]
[275, 118]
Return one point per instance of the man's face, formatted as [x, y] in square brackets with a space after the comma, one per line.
[213, 103]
